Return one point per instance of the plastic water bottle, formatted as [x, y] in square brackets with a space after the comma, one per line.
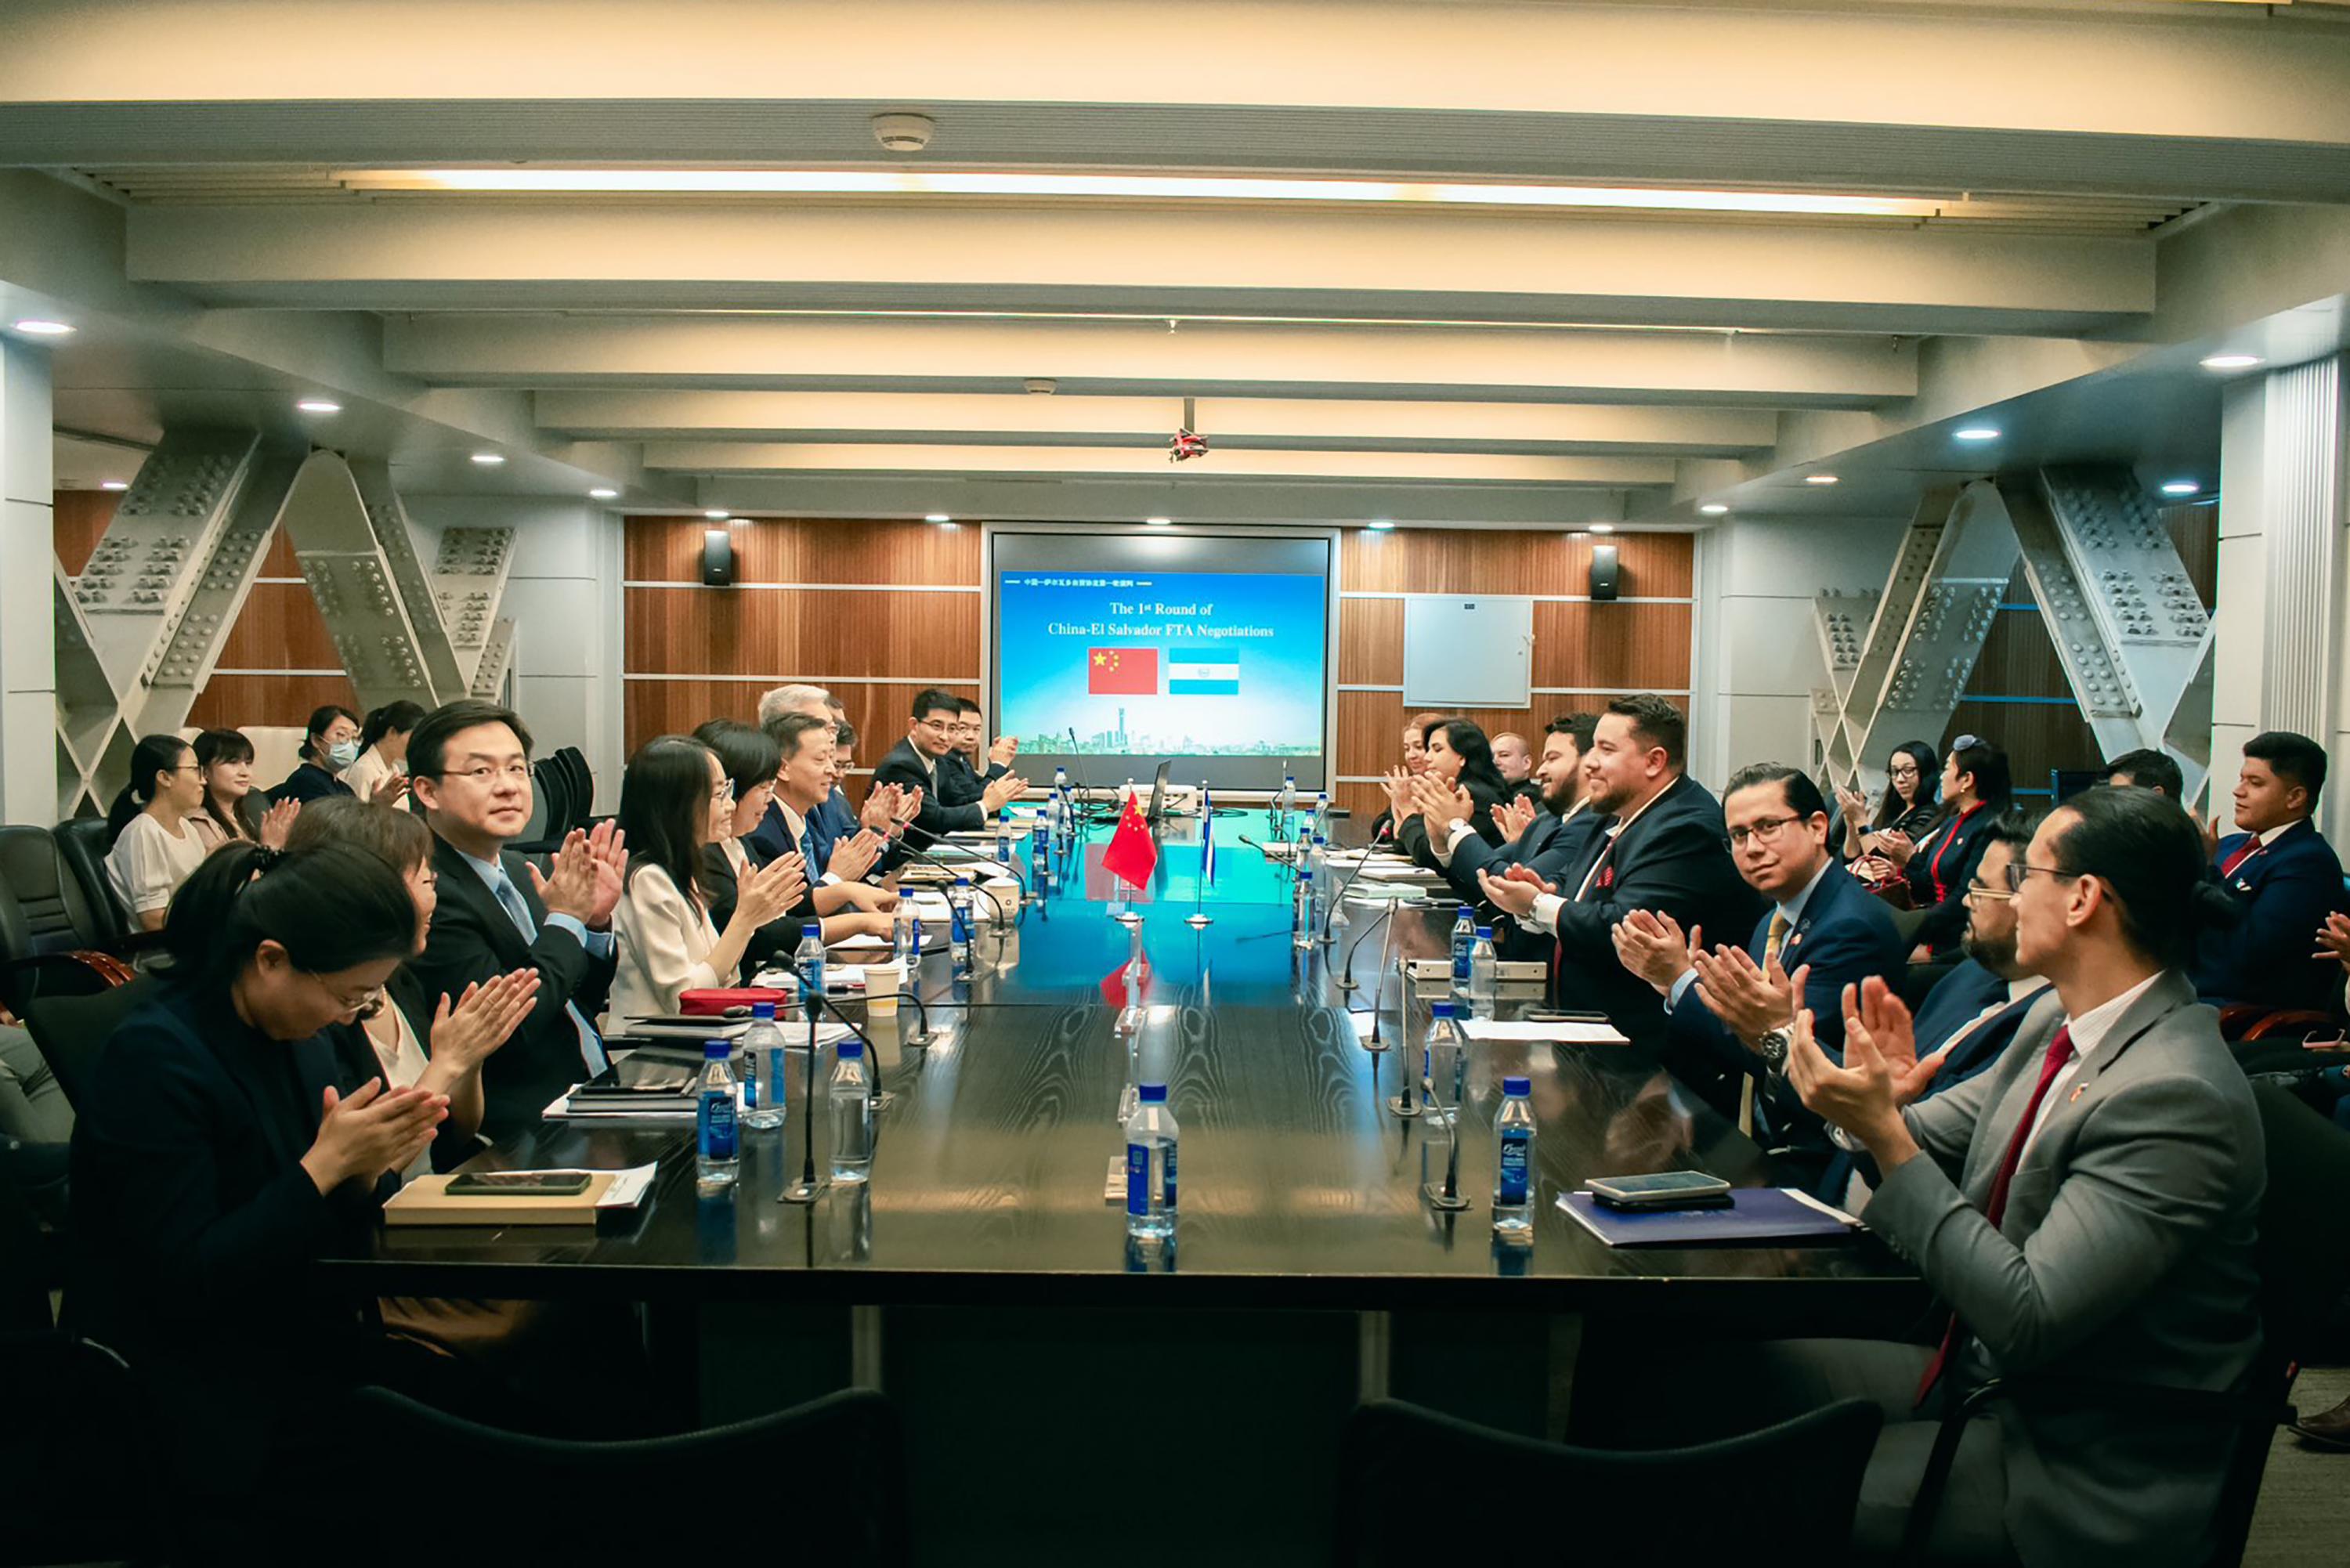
[1004, 837]
[1484, 967]
[1322, 815]
[1300, 908]
[852, 1116]
[1514, 1174]
[1040, 870]
[718, 1141]
[1150, 1168]
[906, 936]
[1318, 875]
[959, 927]
[1443, 1063]
[1465, 939]
[1286, 804]
[809, 961]
[762, 1070]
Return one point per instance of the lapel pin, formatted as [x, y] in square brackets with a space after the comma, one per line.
[2078, 1090]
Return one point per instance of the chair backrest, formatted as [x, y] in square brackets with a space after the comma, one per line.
[82, 843]
[71, 1031]
[581, 1504]
[43, 909]
[583, 785]
[1664, 1506]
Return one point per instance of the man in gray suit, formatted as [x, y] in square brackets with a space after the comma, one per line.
[2086, 1207]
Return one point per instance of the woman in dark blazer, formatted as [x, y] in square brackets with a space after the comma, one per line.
[219, 1153]
[1458, 757]
[1939, 865]
[330, 742]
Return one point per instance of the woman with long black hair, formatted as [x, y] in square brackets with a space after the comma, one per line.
[1913, 791]
[225, 759]
[383, 752]
[153, 846]
[1939, 866]
[218, 1153]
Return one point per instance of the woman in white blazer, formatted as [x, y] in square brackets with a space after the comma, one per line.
[674, 800]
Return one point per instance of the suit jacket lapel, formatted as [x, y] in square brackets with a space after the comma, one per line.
[460, 879]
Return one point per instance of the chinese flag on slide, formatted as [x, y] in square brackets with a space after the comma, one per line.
[1131, 856]
[1122, 672]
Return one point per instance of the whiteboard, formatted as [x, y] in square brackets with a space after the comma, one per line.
[1468, 650]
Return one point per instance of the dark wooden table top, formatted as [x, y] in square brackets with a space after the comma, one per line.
[1300, 1187]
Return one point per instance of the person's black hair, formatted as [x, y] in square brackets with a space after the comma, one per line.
[1576, 727]
[747, 755]
[392, 719]
[965, 704]
[930, 699]
[2148, 768]
[844, 734]
[1796, 786]
[153, 754]
[1890, 807]
[1656, 722]
[1476, 754]
[2013, 829]
[213, 747]
[1988, 763]
[322, 719]
[428, 744]
[331, 906]
[662, 796]
[2149, 853]
[792, 729]
[2295, 759]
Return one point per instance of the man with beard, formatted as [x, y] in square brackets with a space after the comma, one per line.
[1548, 837]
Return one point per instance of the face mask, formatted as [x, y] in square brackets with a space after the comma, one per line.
[342, 754]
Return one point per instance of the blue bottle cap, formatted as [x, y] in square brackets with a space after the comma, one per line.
[717, 1050]
[811, 928]
[1440, 1009]
[1154, 1094]
[852, 1047]
[766, 1009]
[1484, 933]
[1517, 1087]
[962, 881]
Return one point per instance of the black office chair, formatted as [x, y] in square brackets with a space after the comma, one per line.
[70, 1030]
[2303, 1269]
[582, 783]
[1409, 1471]
[83, 843]
[51, 941]
[623, 1503]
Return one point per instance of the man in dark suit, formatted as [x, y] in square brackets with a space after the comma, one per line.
[915, 763]
[2283, 878]
[1553, 832]
[1663, 849]
[1516, 760]
[2148, 768]
[1965, 1023]
[964, 774]
[469, 766]
[1732, 1010]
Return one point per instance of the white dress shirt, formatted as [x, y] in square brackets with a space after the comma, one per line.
[2089, 1031]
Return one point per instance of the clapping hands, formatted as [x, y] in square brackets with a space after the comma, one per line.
[482, 1019]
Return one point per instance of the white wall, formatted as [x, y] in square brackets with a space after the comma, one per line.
[28, 670]
[563, 595]
[1758, 654]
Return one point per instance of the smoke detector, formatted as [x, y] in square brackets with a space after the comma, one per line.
[903, 132]
[1043, 386]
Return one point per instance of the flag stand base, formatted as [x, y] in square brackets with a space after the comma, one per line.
[1197, 920]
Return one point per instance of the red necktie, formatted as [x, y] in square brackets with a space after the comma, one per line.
[2060, 1052]
[2245, 851]
[1590, 878]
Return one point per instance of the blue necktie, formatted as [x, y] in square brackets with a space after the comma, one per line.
[509, 896]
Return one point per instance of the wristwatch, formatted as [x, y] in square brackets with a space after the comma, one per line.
[1771, 1046]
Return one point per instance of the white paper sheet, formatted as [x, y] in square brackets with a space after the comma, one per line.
[1564, 1033]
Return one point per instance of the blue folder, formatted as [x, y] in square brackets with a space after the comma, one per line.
[1756, 1217]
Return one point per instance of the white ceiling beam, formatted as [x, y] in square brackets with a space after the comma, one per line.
[1259, 259]
[784, 353]
[1441, 467]
[920, 418]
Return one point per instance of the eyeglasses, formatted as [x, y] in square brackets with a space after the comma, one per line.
[723, 790]
[2017, 871]
[369, 997]
[2318, 1040]
[1903, 771]
[1763, 831]
[511, 773]
[1985, 893]
[936, 726]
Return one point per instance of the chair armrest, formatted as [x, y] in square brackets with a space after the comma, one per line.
[2284, 1025]
[106, 967]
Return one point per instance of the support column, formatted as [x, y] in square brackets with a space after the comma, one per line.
[2283, 618]
[28, 665]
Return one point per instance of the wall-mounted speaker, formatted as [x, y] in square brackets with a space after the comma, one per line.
[1603, 572]
[718, 558]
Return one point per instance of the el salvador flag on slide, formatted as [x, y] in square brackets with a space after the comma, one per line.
[1203, 672]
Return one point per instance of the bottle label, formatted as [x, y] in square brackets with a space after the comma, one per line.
[1137, 1178]
[1170, 1179]
[1517, 1146]
[718, 1140]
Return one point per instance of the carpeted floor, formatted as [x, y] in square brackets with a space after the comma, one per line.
[2303, 1518]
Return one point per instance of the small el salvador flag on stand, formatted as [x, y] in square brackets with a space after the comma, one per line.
[1207, 836]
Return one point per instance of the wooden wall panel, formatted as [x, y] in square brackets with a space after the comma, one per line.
[279, 559]
[806, 550]
[79, 520]
[1489, 561]
[832, 632]
[1621, 647]
[279, 627]
[1371, 643]
[233, 701]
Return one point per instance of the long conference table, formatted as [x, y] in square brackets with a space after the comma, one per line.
[983, 1275]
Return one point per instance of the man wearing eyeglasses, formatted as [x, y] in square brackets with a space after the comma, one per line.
[469, 767]
[2086, 1207]
[964, 774]
[1733, 1008]
[915, 763]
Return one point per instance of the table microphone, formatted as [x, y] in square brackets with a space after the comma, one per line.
[959, 868]
[1331, 916]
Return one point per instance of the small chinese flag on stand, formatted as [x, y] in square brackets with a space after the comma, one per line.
[1131, 857]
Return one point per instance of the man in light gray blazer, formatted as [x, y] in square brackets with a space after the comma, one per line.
[2086, 1208]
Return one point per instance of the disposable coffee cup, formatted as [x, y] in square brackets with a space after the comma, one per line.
[881, 984]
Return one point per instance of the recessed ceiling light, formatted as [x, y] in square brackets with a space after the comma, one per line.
[718, 515]
[2180, 487]
[2210, 362]
[1602, 527]
[1160, 521]
[938, 517]
[489, 458]
[114, 485]
[603, 492]
[34, 326]
[1378, 525]
[319, 406]
[1715, 508]
[1819, 479]
[1976, 432]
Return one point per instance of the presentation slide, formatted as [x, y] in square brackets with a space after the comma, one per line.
[1183, 657]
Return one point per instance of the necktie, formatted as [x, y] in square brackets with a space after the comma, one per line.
[1590, 875]
[2244, 851]
[509, 896]
[1773, 940]
[2060, 1052]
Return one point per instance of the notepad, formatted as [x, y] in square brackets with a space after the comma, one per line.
[426, 1201]
[1757, 1216]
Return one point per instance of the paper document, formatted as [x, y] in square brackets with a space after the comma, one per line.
[1566, 1032]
